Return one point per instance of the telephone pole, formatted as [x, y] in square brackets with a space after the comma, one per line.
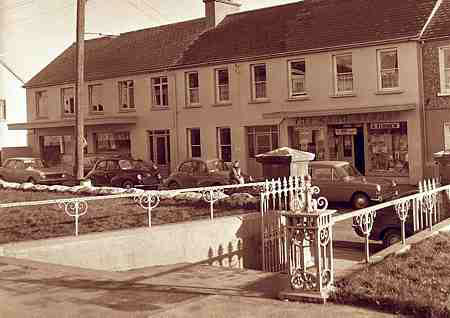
[79, 91]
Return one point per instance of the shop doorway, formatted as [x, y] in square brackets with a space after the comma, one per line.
[346, 143]
[360, 161]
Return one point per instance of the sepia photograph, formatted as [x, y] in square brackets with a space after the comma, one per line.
[225, 158]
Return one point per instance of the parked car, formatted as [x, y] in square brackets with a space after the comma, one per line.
[126, 173]
[33, 170]
[200, 173]
[340, 181]
[387, 225]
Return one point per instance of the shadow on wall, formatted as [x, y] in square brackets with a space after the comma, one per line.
[245, 251]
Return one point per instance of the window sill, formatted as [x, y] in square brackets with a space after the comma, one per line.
[390, 92]
[193, 106]
[222, 104]
[96, 113]
[68, 115]
[41, 118]
[259, 101]
[298, 98]
[441, 94]
[159, 108]
[343, 95]
[127, 110]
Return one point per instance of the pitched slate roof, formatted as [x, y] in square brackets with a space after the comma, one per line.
[440, 24]
[309, 24]
[129, 53]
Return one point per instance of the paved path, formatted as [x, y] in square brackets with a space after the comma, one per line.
[33, 289]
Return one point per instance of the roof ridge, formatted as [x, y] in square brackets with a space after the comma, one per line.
[163, 26]
[266, 8]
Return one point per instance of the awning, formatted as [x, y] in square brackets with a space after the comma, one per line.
[117, 120]
[343, 111]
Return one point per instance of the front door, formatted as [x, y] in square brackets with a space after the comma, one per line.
[159, 142]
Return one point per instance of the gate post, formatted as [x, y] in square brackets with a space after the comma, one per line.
[310, 226]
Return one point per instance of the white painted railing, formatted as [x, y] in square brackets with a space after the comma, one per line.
[148, 200]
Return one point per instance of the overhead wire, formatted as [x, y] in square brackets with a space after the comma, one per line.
[139, 9]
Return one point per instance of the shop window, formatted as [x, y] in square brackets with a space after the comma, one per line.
[388, 77]
[116, 142]
[222, 86]
[261, 139]
[42, 104]
[297, 82]
[388, 149]
[444, 66]
[308, 139]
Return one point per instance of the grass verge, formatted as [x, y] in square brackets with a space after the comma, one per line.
[416, 283]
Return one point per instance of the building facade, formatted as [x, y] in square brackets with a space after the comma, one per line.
[248, 84]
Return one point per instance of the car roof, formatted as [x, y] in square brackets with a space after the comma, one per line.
[24, 158]
[328, 163]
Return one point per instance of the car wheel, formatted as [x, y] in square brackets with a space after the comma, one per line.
[127, 184]
[391, 237]
[173, 185]
[31, 180]
[360, 201]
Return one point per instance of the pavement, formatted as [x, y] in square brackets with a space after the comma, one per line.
[34, 289]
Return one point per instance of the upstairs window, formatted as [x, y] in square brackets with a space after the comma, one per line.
[160, 91]
[194, 142]
[259, 81]
[222, 86]
[444, 66]
[388, 77]
[261, 139]
[95, 98]
[192, 83]
[68, 100]
[42, 104]
[343, 74]
[2, 109]
[297, 83]
[126, 95]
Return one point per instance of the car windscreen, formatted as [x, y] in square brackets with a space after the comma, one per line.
[350, 171]
[35, 164]
[127, 164]
[217, 165]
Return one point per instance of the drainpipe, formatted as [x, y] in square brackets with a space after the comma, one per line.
[175, 122]
[423, 105]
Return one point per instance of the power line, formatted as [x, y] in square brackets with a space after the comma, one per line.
[142, 12]
[156, 10]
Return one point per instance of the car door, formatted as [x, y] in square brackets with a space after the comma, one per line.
[185, 174]
[202, 176]
[112, 172]
[7, 169]
[98, 174]
[323, 178]
[20, 174]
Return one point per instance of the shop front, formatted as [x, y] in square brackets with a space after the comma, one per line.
[376, 145]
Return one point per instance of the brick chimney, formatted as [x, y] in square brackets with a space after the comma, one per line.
[216, 10]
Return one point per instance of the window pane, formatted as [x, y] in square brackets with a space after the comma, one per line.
[388, 60]
[226, 153]
[222, 77]
[260, 90]
[156, 81]
[193, 96]
[447, 78]
[298, 77]
[260, 73]
[157, 96]
[344, 64]
[447, 58]
[195, 136]
[224, 93]
[131, 92]
[193, 80]
[161, 150]
[225, 136]
[389, 78]
[196, 151]
[251, 145]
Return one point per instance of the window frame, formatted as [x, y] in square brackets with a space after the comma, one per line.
[221, 145]
[290, 79]
[336, 77]
[130, 98]
[218, 85]
[2, 109]
[38, 96]
[161, 85]
[63, 101]
[253, 82]
[91, 106]
[189, 140]
[443, 91]
[251, 132]
[189, 103]
[380, 82]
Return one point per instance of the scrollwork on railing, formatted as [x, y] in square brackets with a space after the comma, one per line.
[301, 279]
[74, 208]
[148, 201]
[365, 221]
[212, 196]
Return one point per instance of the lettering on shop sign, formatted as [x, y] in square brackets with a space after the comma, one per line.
[384, 125]
[345, 131]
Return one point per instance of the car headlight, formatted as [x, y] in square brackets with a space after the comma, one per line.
[394, 184]
[63, 175]
[159, 176]
[139, 177]
[378, 188]
[42, 175]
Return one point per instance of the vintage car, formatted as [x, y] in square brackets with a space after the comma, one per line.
[200, 173]
[126, 173]
[387, 225]
[33, 170]
[340, 181]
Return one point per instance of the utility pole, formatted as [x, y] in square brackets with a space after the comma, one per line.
[79, 91]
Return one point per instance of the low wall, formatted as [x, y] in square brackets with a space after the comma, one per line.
[227, 241]
[10, 152]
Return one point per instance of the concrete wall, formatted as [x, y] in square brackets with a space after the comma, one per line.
[227, 241]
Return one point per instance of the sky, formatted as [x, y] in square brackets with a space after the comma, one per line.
[34, 32]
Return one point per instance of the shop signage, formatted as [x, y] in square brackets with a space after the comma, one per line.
[345, 131]
[384, 125]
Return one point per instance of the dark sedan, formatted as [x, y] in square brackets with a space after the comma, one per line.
[125, 173]
[387, 225]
